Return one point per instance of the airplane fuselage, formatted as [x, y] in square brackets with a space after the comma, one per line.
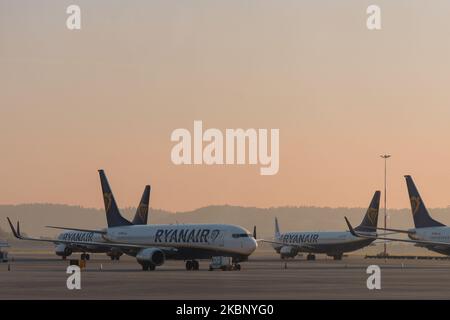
[331, 243]
[189, 241]
[180, 241]
[438, 234]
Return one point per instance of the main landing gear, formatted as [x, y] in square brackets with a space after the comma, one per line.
[85, 256]
[337, 256]
[192, 265]
[148, 266]
[310, 257]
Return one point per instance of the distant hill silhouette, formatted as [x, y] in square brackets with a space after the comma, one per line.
[34, 217]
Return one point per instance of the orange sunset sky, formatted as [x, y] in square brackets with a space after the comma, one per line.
[109, 96]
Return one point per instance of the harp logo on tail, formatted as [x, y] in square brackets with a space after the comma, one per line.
[142, 210]
[372, 216]
[107, 197]
[415, 204]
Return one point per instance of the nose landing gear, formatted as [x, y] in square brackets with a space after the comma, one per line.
[310, 257]
[85, 256]
[337, 256]
[192, 265]
[148, 266]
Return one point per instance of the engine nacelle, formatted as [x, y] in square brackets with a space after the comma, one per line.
[288, 251]
[62, 250]
[153, 256]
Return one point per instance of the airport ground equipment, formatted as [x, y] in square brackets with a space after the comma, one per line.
[75, 262]
[224, 264]
[3, 256]
[3, 253]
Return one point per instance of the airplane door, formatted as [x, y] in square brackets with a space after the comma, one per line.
[218, 238]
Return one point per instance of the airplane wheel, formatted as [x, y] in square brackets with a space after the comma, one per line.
[88, 257]
[152, 267]
[195, 265]
[145, 267]
[113, 258]
[189, 265]
[310, 257]
[83, 256]
[238, 267]
[64, 258]
[337, 257]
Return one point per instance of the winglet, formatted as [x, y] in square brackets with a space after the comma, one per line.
[254, 232]
[15, 233]
[277, 229]
[352, 231]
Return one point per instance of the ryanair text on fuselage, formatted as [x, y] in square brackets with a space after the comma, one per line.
[300, 238]
[186, 235]
[77, 236]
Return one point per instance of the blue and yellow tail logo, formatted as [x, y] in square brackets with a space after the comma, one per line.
[107, 197]
[143, 209]
[372, 216]
[415, 204]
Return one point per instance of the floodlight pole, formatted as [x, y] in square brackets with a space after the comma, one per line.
[385, 157]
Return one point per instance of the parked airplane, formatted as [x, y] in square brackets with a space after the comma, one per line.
[334, 244]
[153, 244]
[65, 249]
[427, 233]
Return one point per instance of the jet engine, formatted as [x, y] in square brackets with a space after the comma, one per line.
[62, 250]
[153, 256]
[288, 252]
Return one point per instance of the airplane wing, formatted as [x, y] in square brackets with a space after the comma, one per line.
[424, 242]
[275, 242]
[303, 246]
[76, 229]
[254, 235]
[17, 234]
[396, 230]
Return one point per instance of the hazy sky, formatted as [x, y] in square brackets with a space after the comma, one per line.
[110, 95]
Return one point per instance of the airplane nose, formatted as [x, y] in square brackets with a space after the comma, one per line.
[252, 245]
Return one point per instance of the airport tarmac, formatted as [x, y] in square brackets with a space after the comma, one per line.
[265, 276]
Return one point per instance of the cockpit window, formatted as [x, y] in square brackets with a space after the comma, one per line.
[240, 235]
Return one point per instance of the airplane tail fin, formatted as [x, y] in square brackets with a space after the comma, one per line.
[421, 217]
[113, 216]
[370, 221]
[277, 229]
[141, 215]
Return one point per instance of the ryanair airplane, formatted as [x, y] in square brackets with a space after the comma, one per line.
[428, 233]
[333, 244]
[67, 248]
[153, 244]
